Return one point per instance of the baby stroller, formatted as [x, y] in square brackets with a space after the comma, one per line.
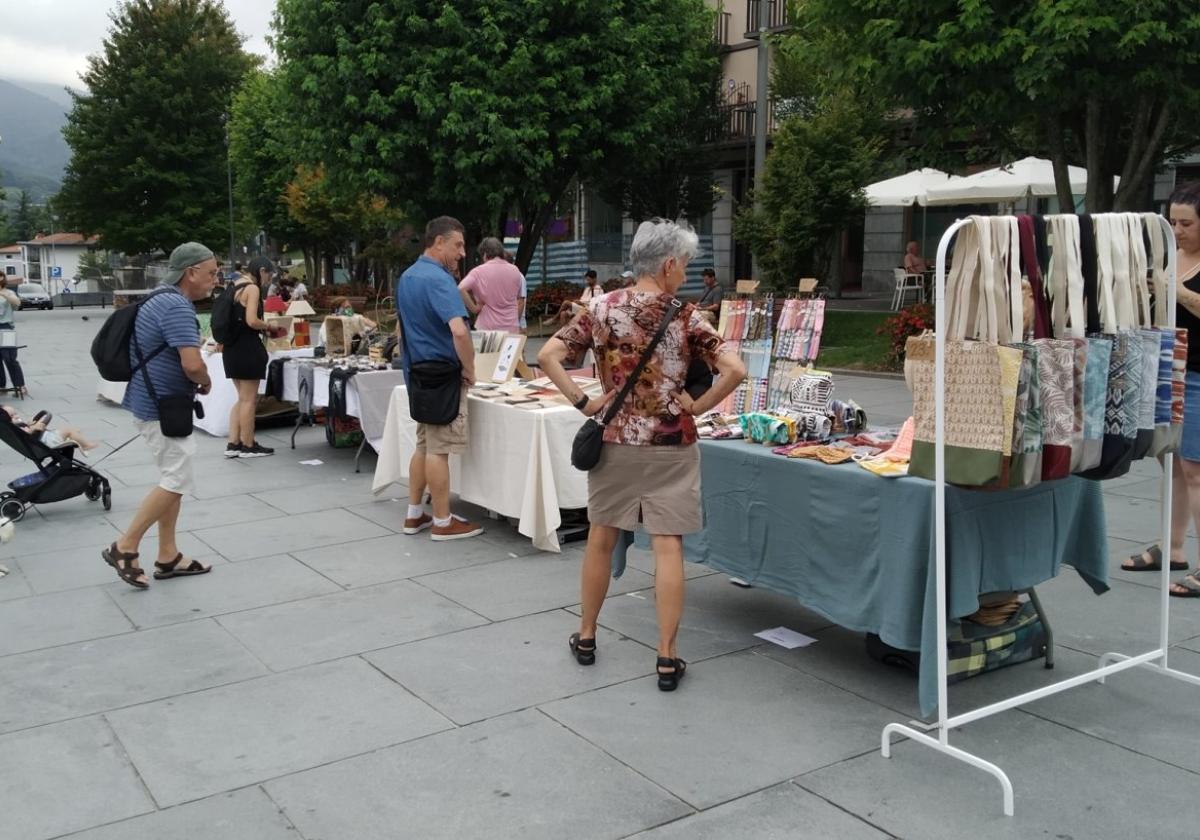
[59, 475]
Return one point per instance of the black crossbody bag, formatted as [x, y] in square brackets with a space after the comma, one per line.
[175, 412]
[589, 440]
[434, 387]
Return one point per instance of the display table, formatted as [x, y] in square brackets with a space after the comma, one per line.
[518, 462]
[859, 549]
[219, 401]
[368, 394]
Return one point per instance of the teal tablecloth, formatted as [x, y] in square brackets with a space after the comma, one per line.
[859, 549]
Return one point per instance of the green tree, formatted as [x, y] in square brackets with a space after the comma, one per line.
[1110, 84]
[489, 107]
[811, 190]
[264, 150]
[28, 220]
[148, 160]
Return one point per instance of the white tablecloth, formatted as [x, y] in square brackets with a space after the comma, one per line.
[518, 462]
[220, 400]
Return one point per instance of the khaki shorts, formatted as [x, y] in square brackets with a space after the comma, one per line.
[446, 440]
[652, 488]
[174, 457]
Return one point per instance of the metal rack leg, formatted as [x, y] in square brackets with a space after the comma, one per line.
[358, 454]
[1037, 606]
[953, 752]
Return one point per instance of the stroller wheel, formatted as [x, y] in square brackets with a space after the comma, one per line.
[106, 495]
[92, 493]
[12, 509]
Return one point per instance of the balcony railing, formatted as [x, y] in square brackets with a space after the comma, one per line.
[775, 12]
[723, 25]
[737, 122]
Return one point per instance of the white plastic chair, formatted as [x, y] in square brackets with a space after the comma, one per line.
[907, 283]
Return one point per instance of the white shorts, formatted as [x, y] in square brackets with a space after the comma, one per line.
[173, 456]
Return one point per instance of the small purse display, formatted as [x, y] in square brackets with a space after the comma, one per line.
[589, 440]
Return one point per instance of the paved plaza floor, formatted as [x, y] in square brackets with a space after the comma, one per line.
[333, 679]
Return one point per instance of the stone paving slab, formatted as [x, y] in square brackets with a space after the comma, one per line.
[44, 621]
[196, 745]
[97, 676]
[518, 777]
[281, 536]
[783, 812]
[519, 586]
[759, 721]
[1067, 785]
[396, 557]
[83, 566]
[247, 814]
[64, 778]
[235, 587]
[537, 666]
[345, 623]
[718, 617]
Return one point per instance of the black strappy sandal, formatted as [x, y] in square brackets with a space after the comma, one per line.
[584, 649]
[171, 569]
[121, 561]
[669, 680]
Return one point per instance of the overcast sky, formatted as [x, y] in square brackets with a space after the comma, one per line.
[50, 40]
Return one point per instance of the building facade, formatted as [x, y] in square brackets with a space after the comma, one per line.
[53, 261]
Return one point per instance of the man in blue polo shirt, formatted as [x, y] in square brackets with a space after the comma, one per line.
[166, 333]
[434, 321]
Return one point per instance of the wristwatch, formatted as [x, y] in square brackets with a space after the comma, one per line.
[581, 402]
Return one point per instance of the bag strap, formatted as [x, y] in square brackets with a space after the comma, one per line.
[143, 361]
[1158, 274]
[670, 310]
[1138, 266]
[1033, 270]
[1089, 265]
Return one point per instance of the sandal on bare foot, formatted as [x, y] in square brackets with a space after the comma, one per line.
[171, 568]
[1150, 560]
[1188, 586]
[135, 576]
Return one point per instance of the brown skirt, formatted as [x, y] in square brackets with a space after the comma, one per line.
[656, 487]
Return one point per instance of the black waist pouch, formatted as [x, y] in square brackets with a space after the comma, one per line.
[434, 390]
[175, 415]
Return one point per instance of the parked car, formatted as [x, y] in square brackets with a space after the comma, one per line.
[33, 295]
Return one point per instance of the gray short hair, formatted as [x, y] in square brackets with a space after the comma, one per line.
[657, 241]
[490, 248]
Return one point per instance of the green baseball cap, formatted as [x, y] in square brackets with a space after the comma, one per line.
[184, 257]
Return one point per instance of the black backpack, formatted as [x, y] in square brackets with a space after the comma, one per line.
[110, 347]
[224, 322]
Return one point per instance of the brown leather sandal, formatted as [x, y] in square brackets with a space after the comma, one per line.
[171, 569]
[135, 576]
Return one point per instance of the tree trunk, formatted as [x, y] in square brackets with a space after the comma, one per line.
[1058, 158]
[1139, 170]
[327, 265]
[533, 221]
[1095, 147]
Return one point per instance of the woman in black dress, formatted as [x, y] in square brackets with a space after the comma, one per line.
[245, 359]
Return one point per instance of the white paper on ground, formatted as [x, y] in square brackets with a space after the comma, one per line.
[784, 637]
[314, 462]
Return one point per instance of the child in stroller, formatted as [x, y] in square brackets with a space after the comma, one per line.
[39, 427]
[59, 475]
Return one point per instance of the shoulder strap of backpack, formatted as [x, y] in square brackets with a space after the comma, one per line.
[144, 360]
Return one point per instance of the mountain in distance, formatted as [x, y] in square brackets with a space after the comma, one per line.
[33, 152]
[54, 92]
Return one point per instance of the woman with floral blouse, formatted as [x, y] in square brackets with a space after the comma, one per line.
[649, 472]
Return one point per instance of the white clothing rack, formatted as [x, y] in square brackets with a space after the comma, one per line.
[937, 735]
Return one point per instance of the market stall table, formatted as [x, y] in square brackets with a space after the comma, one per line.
[518, 462]
[859, 549]
[217, 402]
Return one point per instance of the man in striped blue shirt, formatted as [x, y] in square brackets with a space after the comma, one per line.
[166, 333]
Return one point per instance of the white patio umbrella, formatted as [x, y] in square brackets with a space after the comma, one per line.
[1006, 184]
[907, 189]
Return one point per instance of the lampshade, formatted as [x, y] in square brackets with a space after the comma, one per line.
[300, 308]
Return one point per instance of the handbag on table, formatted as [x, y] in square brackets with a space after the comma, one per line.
[589, 440]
